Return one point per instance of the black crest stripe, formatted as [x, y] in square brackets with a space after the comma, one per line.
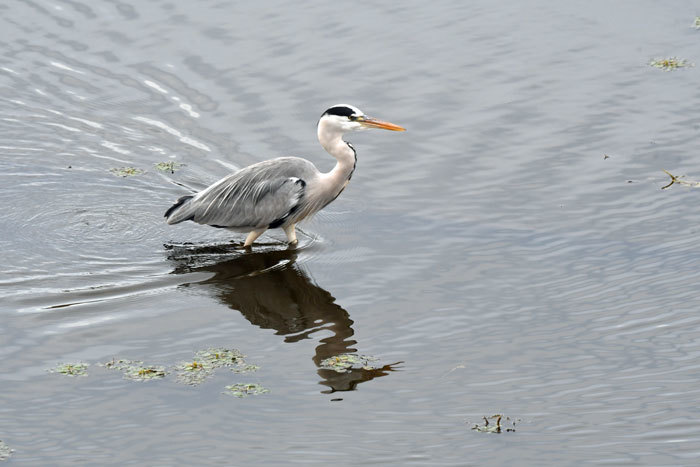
[340, 110]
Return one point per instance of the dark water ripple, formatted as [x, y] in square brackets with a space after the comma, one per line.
[491, 257]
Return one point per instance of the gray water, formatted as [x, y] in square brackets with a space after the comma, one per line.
[492, 258]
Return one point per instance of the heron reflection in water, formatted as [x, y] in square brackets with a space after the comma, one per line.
[273, 291]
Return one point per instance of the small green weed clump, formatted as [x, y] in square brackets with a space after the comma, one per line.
[245, 389]
[5, 451]
[206, 361]
[344, 362]
[496, 427]
[125, 171]
[136, 370]
[669, 64]
[170, 166]
[71, 369]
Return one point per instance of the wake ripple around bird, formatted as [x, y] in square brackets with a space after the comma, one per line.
[74, 232]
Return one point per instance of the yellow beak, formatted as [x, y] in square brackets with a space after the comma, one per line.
[374, 123]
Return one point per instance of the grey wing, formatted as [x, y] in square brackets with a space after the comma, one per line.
[259, 196]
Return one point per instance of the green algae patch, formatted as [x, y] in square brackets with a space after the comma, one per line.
[125, 171]
[680, 180]
[194, 372]
[247, 368]
[218, 357]
[245, 389]
[345, 362]
[120, 364]
[5, 451]
[170, 166]
[135, 369]
[669, 64]
[71, 369]
[496, 424]
[145, 373]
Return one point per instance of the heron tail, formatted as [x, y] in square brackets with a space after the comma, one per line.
[176, 213]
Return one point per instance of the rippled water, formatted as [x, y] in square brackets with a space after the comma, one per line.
[491, 257]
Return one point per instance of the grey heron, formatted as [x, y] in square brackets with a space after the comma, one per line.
[278, 193]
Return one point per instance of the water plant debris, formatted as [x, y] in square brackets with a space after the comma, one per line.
[5, 451]
[145, 373]
[71, 369]
[206, 361]
[136, 370]
[345, 362]
[218, 357]
[120, 364]
[125, 171]
[680, 181]
[170, 166]
[671, 63]
[245, 389]
[192, 372]
[496, 427]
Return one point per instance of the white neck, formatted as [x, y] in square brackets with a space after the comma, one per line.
[331, 138]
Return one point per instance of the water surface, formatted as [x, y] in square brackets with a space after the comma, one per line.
[491, 257]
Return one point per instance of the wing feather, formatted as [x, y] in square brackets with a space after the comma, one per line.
[261, 195]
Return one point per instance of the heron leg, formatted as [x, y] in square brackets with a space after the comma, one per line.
[252, 236]
[291, 233]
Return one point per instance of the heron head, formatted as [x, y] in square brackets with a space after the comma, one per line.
[345, 118]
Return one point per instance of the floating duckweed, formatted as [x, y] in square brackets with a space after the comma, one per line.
[125, 171]
[668, 64]
[120, 364]
[135, 369]
[206, 361]
[344, 362]
[71, 369]
[680, 181]
[245, 389]
[170, 166]
[496, 427]
[245, 368]
[193, 373]
[218, 357]
[5, 451]
[145, 373]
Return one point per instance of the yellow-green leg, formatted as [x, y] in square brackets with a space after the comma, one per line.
[291, 233]
[252, 236]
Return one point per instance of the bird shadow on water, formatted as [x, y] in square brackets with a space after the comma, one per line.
[273, 291]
